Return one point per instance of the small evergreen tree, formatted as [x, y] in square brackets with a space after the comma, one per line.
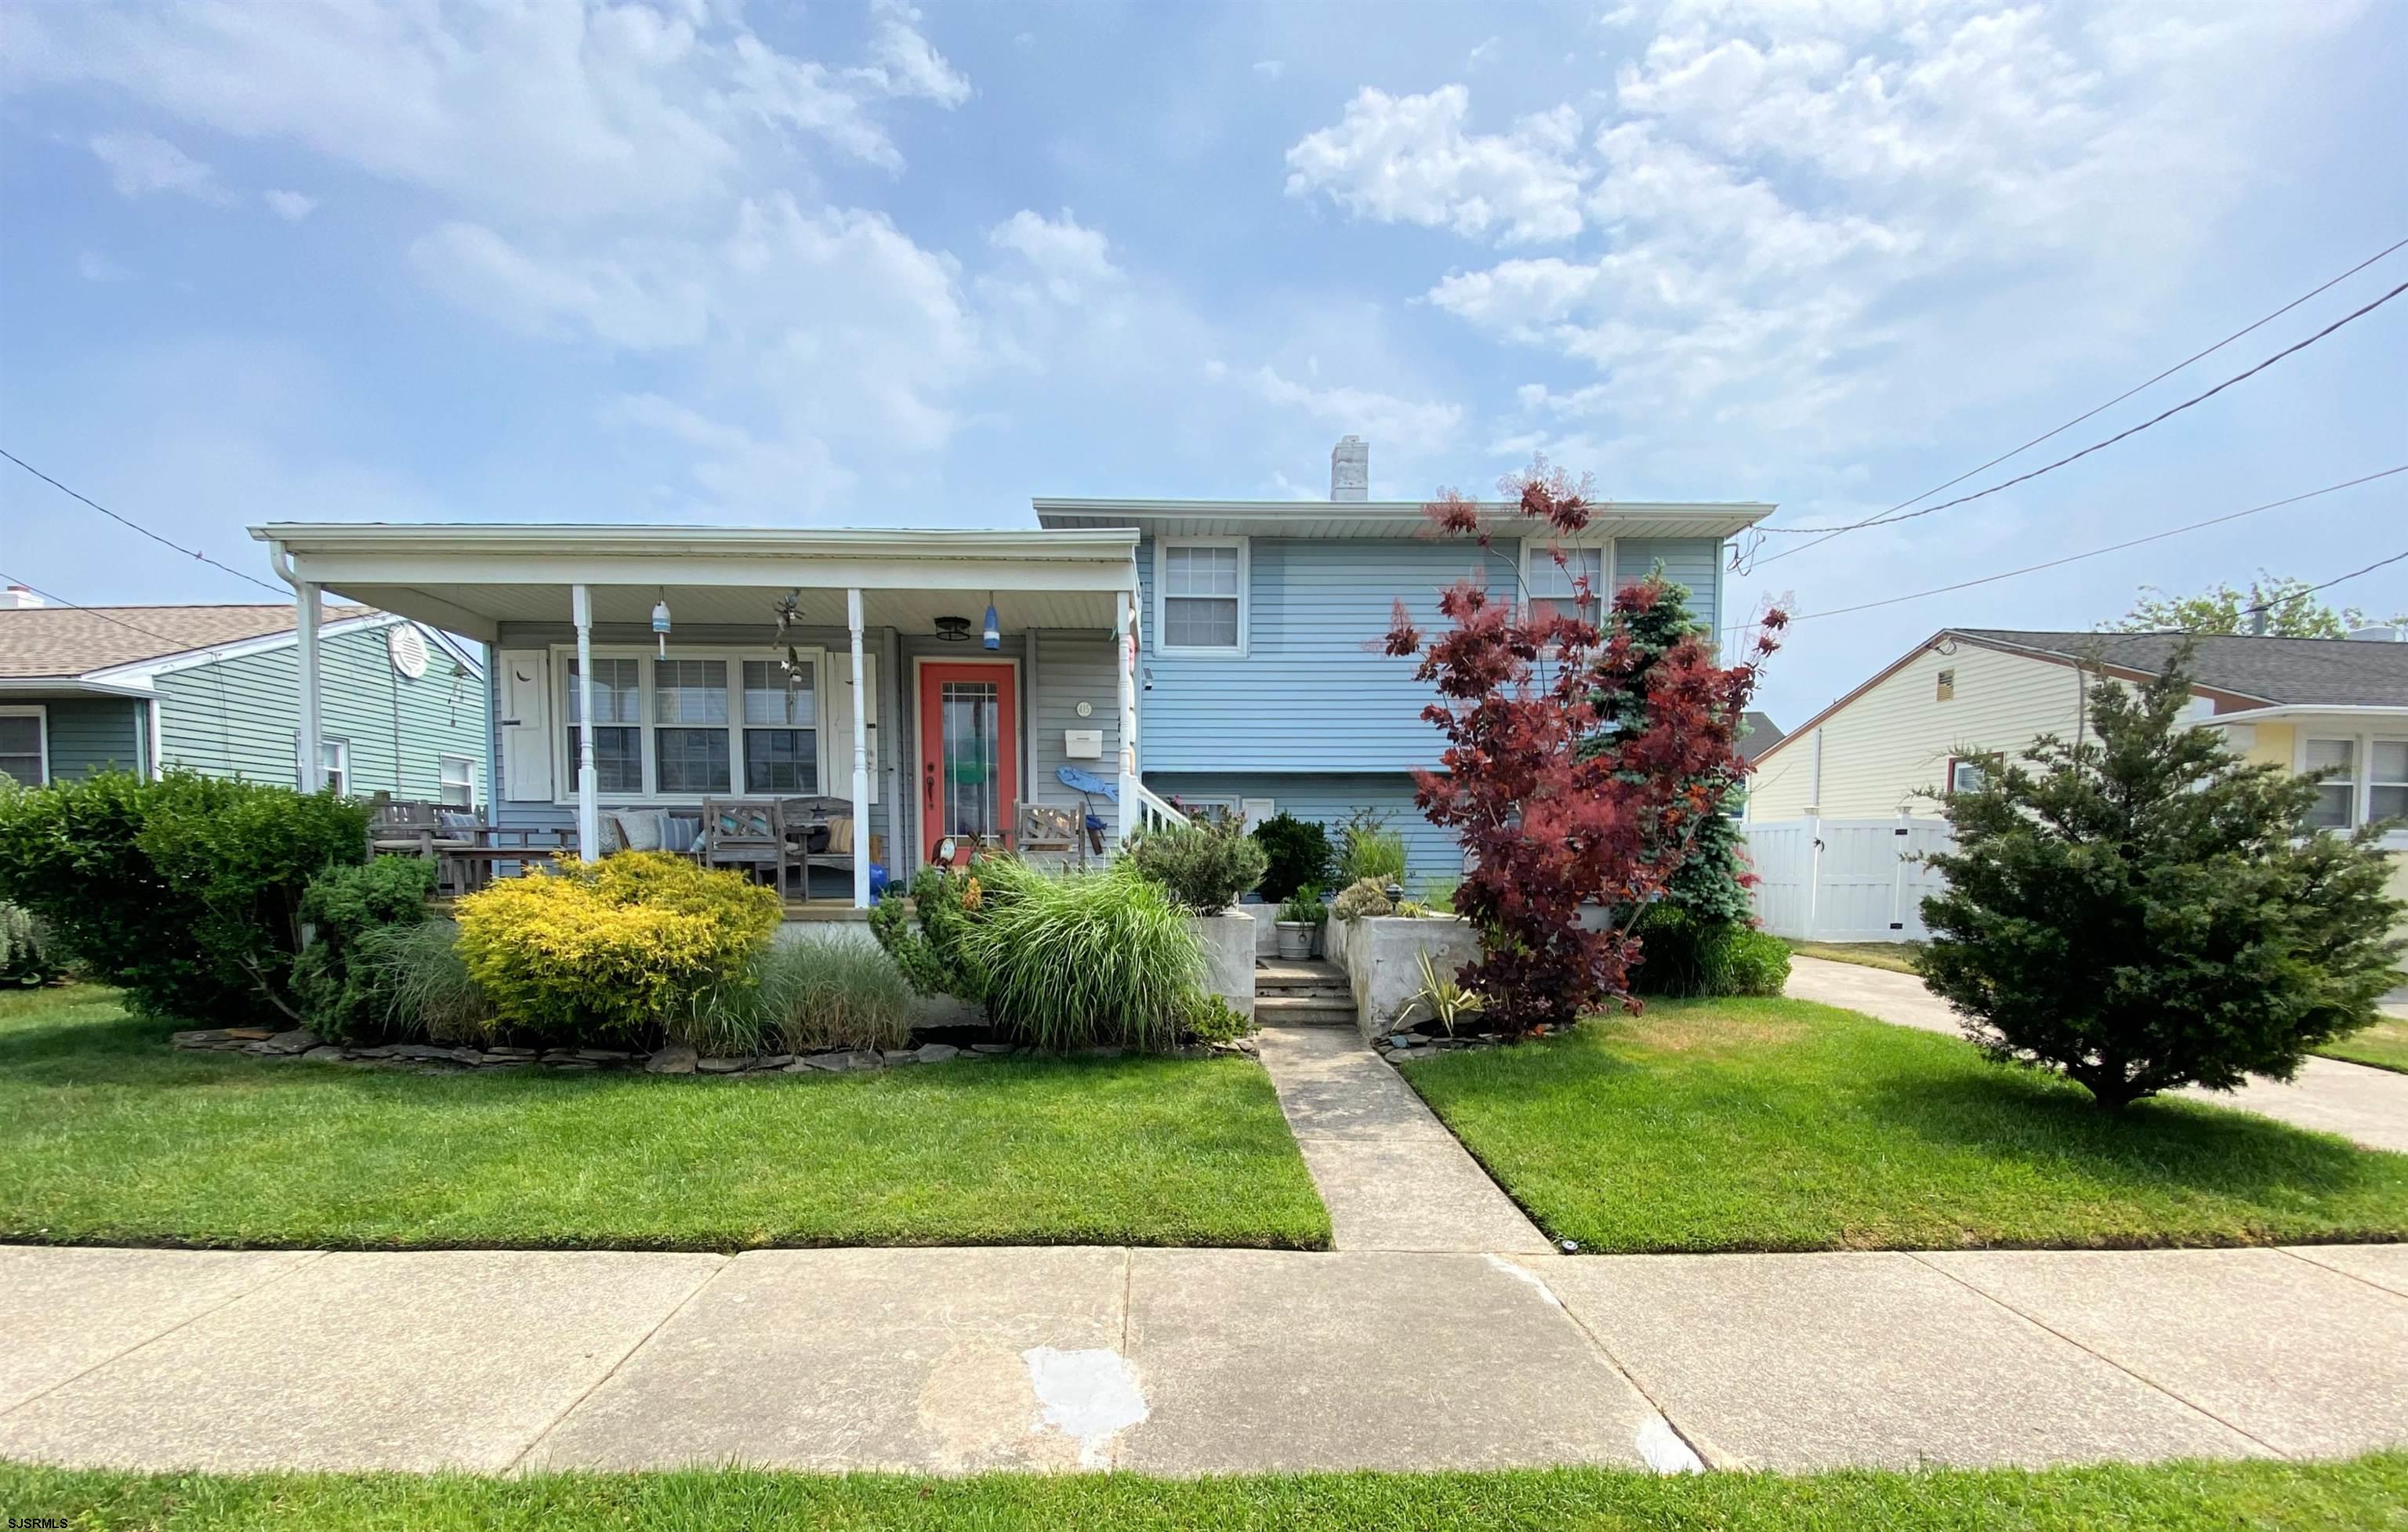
[2143, 911]
[1711, 885]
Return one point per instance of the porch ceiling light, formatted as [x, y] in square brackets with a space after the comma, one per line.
[953, 630]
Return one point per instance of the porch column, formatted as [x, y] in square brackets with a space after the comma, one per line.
[305, 595]
[860, 759]
[1125, 639]
[588, 807]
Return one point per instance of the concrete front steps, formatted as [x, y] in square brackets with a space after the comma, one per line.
[1308, 994]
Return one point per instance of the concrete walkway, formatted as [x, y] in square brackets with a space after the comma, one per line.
[1392, 1176]
[2328, 1096]
[1193, 1361]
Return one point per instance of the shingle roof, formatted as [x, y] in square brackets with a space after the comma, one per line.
[77, 640]
[1762, 734]
[2305, 672]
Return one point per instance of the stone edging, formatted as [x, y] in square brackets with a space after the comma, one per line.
[676, 1059]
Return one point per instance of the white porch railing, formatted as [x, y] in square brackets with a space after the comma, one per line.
[1154, 811]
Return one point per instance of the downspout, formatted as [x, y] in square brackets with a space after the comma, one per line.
[305, 628]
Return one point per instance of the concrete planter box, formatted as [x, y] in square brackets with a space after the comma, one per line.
[1228, 940]
[1382, 956]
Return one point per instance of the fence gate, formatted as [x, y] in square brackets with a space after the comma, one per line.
[1844, 879]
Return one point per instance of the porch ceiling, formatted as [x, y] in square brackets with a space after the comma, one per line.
[752, 607]
[471, 579]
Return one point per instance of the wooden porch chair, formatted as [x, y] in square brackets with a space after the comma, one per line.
[1048, 834]
[747, 833]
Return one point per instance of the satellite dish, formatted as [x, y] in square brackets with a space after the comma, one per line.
[406, 648]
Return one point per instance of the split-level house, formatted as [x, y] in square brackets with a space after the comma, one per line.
[214, 689]
[1122, 654]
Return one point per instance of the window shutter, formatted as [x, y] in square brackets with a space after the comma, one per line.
[837, 698]
[524, 724]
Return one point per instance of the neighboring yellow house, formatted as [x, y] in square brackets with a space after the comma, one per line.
[1928, 722]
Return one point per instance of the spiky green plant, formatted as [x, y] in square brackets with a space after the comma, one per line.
[1078, 959]
[419, 987]
[819, 994]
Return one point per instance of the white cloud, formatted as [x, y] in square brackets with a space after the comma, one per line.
[906, 63]
[1410, 160]
[1068, 260]
[552, 111]
[1385, 419]
[292, 207]
[1270, 68]
[94, 266]
[140, 164]
[1790, 206]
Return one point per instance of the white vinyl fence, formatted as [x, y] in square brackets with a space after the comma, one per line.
[1844, 879]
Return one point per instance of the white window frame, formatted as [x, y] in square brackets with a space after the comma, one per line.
[40, 714]
[564, 686]
[469, 764]
[1162, 546]
[1535, 550]
[338, 775]
[2361, 782]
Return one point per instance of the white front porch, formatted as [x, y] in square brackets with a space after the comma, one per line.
[796, 664]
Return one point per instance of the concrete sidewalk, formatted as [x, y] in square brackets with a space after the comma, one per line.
[1193, 1361]
[2370, 1106]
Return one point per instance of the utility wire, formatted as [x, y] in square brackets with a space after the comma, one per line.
[2113, 548]
[2290, 596]
[193, 552]
[181, 644]
[1892, 515]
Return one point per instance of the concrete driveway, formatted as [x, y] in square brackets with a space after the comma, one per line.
[2370, 1106]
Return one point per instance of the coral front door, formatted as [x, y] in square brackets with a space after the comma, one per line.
[970, 753]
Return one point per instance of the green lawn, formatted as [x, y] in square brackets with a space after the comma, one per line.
[2364, 1494]
[1780, 1125]
[108, 1136]
[1894, 956]
[2384, 1045]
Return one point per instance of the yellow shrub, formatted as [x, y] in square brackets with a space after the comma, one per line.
[615, 947]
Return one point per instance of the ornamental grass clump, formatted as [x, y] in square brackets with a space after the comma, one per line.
[816, 994]
[1080, 959]
[619, 948]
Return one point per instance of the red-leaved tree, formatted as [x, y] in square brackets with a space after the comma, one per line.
[1556, 806]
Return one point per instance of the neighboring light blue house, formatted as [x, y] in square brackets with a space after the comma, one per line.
[1223, 651]
[215, 688]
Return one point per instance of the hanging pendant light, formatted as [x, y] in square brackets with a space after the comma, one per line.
[661, 623]
[993, 637]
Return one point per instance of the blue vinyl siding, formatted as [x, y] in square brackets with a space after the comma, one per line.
[97, 734]
[1313, 692]
[239, 717]
[1432, 854]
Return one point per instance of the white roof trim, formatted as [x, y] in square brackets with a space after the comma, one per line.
[2308, 709]
[618, 539]
[72, 685]
[142, 672]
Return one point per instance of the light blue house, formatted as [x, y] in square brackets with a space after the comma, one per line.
[1223, 651]
[216, 689]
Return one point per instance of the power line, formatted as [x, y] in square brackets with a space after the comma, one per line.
[102, 613]
[191, 553]
[2113, 548]
[2289, 596]
[1891, 516]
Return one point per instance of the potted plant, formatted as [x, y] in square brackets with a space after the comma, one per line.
[1300, 920]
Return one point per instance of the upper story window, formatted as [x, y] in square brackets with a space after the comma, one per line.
[2386, 785]
[1559, 585]
[1200, 595]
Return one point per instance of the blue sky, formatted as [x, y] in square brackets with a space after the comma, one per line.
[851, 264]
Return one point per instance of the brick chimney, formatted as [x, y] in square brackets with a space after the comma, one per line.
[1350, 470]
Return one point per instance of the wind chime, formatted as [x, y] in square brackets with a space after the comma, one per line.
[789, 610]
